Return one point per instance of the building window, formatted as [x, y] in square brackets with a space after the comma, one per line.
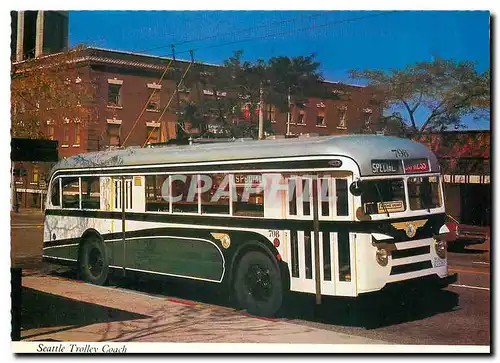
[35, 174]
[50, 132]
[65, 134]
[301, 119]
[153, 135]
[154, 100]
[342, 118]
[152, 132]
[114, 134]
[77, 134]
[320, 119]
[114, 91]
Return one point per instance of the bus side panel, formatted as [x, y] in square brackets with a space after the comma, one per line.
[189, 250]
[179, 256]
[67, 231]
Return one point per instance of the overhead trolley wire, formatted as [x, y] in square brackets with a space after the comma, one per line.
[234, 32]
[293, 31]
[168, 104]
[147, 102]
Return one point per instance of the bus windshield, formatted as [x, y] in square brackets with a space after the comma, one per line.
[424, 192]
[383, 196]
[388, 195]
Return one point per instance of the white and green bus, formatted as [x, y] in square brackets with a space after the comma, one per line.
[245, 214]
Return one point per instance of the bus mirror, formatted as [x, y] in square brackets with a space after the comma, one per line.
[356, 188]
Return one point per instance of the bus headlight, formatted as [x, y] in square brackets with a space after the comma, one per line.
[440, 247]
[382, 257]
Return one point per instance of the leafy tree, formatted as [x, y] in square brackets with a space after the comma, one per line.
[443, 90]
[298, 77]
[49, 88]
[237, 85]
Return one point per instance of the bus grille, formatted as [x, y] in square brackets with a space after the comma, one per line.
[416, 251]
[411, 267]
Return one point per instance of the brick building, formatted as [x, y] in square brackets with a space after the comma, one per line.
[124, 82]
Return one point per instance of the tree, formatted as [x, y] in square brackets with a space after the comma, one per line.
[235, 88]
[296, 77]
[49, 89]
[444, 91]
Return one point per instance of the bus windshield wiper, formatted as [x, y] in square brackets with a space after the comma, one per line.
[424, 203]
[381, 200]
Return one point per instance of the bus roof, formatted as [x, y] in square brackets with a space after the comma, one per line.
[361, 148]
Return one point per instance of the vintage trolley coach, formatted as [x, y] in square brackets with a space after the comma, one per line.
[375, 203]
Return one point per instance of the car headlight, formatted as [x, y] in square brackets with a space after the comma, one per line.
[382, 256]
[440, 247]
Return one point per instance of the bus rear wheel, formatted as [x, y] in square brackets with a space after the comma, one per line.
[93, 263]
[257, 285]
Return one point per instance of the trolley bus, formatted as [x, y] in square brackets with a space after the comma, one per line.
[336, 215]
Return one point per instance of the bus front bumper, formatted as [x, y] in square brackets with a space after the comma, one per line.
[425, 282]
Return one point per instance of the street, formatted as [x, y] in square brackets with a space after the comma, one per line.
[55, 306]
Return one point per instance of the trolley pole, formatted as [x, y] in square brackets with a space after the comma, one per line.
[178, 128]
[317, 270]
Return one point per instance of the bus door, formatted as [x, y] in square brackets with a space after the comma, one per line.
[336, 243]
[127, 194]
[120, 196]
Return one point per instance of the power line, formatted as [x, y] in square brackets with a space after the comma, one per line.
[233, 32]
[292, 31]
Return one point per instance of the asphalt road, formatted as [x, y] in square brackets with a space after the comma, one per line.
[458, 315]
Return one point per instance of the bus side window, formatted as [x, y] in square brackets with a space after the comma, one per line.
[155, 200]
[184, 194]
[292, 197]
[342, 201]
[55, 193]
[249, 195]
[91, 197]
[70, 193]
[216, 199]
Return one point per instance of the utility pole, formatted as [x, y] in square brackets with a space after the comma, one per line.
[289, 115]
[261, 113]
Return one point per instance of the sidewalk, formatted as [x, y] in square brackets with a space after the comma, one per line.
[135, 317]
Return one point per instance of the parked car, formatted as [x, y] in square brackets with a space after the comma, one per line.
[465, 234]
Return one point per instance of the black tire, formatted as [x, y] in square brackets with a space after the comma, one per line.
[93, 262]
[257, 285]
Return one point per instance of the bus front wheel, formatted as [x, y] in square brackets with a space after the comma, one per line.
[93, 263]
[257, 285]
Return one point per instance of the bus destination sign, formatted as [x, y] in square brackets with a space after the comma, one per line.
[386, 166]
[416, 166]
